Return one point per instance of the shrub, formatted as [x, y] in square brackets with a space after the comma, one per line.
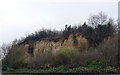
[95, 64]
[10, 70]
[4, 68]
[15, 57]
[74, 39]
[41, 60]
[66, 57]
[61, 69]
[64, 51]
[109, 51]
[110, 69]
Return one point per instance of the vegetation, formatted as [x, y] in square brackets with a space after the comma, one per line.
[15, 58]
[93, 35]
[100, 57]
[64, 69]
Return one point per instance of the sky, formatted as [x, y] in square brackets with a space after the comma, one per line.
[19, 17]
[119, 10]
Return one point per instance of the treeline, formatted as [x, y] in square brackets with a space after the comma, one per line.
[93, 35]
[95, 30]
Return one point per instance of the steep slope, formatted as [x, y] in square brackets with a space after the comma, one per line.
[46, 45]
[74, 41]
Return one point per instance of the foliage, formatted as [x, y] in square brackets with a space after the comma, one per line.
[93, 35]
[66, 56]
[109, 51]
[64, 69]
[4, 68]
[95, 64]
[74, 39]
[110, 69]
[15, 57]
[10, 70]
[102, 51]
[41, 60]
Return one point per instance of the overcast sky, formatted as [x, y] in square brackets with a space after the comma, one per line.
[18, 17]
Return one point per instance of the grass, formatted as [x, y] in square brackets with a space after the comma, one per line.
[63, 69]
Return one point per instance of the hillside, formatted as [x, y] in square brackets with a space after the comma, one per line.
[76, 49]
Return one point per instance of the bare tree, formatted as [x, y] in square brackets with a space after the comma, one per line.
[95, 20]
[5, 48]
[15, 41]
[111, 21]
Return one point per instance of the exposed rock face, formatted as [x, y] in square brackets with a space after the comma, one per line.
[46, 45]
[32, 49]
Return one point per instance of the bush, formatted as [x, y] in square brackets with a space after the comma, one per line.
[110, 69]
[109, 51]
[66, 57]
[95, 64]
[15, 57]
[74, 39]
[10, 70]
[61, 69]
[4, 68]
[41, 60]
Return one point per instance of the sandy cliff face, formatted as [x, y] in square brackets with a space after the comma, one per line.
[54, 46]
[46, 45]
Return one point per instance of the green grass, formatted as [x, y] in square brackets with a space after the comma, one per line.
[63, 69]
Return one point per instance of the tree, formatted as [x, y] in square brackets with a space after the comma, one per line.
[15, 57]
[98, 19]
[5, 48]
[67, 31]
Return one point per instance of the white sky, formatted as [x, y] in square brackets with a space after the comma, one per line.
[18, 17]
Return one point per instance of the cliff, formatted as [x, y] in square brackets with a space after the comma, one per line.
[74, 41]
